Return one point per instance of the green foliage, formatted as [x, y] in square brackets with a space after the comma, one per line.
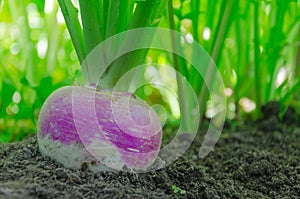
[178, 190]
[255, 45]
[249, 41]
[37, 57]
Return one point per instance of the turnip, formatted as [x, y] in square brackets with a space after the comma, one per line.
[80, 126]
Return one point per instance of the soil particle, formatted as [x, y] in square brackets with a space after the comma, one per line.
[270, 109]
[248, 162]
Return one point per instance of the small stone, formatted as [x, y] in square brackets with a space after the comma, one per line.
[27, 153]
[73, 178]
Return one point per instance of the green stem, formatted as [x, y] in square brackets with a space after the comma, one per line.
[211, 8]
[70, 14]
[113, 17]
[217, 45]
[222, 28]
[182, 98]
[195, 5]
[90, 23]
[53, 38]
[297, 61]
[257, 58]
[147, 14]
[275, 47]
[120, 12]
[239, 41]
[105, 15]
[27, 54]
[100, 16]
[194, 78]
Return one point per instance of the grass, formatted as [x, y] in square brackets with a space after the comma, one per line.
[255, 45]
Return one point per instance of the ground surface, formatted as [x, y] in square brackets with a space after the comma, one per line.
[255, 160]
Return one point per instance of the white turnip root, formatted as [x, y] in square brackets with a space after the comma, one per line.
[100, 130]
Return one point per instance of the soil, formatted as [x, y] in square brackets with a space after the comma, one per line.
[256, 159]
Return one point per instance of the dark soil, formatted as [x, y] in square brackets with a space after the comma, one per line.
[254, 160]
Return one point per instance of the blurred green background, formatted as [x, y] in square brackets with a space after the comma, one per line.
[255, 44]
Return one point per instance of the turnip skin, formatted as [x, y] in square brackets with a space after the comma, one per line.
[67, 131]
